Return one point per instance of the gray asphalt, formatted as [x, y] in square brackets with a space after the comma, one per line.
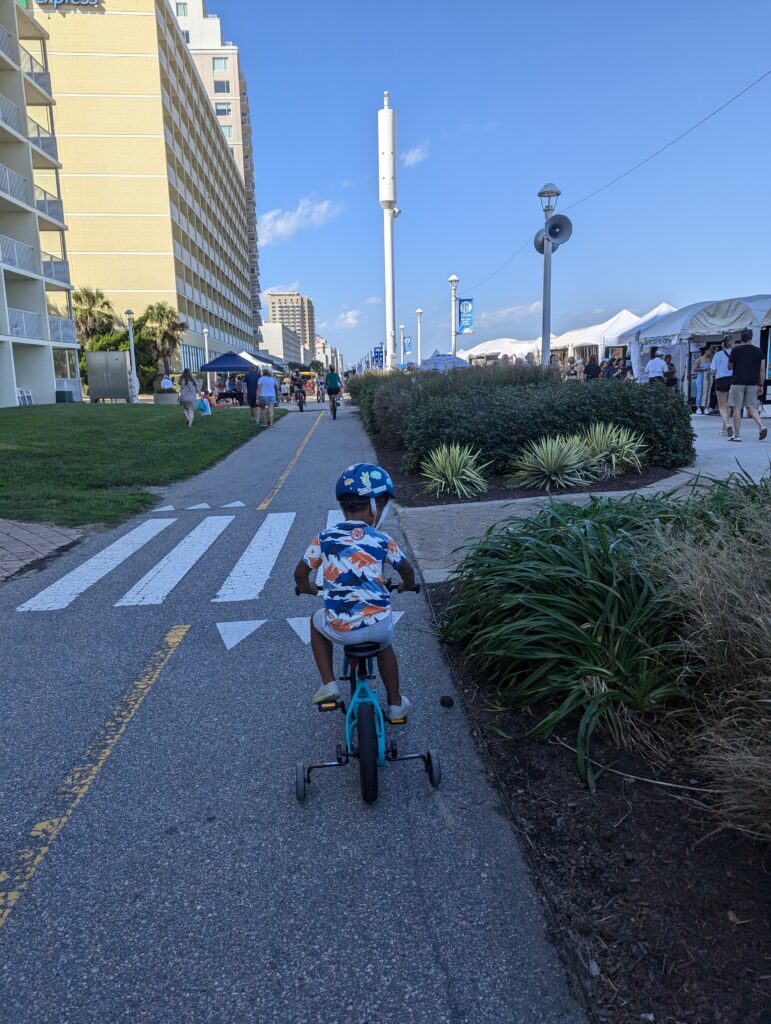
[189, 885]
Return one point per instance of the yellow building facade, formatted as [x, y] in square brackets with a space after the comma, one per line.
[155, 203]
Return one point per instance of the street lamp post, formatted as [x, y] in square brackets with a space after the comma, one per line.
[453, 279]
[133, 396]
[206, 356]
[386, 136]
[546, 194]
[401, 344]
[419, 315]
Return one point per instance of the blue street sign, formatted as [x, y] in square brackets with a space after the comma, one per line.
[466, 311]
[378, 356]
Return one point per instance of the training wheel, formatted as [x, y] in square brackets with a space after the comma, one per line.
[434, 767]
[299, 780]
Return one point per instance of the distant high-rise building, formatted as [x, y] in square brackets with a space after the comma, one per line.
[219, 66]
[296, 311]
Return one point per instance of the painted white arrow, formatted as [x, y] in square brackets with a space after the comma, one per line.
[233, 633]
[194, 508]
[166, 508]
[303, 626]
[235, 504]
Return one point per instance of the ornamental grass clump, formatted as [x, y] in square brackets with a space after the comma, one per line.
[553, 463]
[454, 469]
[615, 449]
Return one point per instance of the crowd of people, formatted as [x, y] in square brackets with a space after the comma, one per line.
[574, 369]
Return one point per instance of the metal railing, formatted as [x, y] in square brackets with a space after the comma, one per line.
[14, 184]
[23, 324]
[55, 268]
[17, 254]
[62, 331]
[49, 204]
[6, 43]
[42, 138]
[38, 72]
[11, 115]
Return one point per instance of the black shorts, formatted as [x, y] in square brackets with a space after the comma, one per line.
[251, 401]
[333, 391]
[723, 384]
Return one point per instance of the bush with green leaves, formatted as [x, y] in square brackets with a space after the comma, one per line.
[615, 449]
[454, 469]
[554, 462]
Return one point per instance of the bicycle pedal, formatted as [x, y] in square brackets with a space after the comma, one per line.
[329, 705]
[397, 721]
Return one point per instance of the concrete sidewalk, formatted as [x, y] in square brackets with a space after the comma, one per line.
[438, 533]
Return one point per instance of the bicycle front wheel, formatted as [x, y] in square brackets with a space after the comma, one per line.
[367, 753]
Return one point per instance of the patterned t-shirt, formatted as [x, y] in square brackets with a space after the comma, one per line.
[353, 556]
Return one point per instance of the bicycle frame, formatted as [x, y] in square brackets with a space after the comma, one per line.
[363, 694]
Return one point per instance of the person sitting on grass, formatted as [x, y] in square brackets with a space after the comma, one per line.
[357, 605]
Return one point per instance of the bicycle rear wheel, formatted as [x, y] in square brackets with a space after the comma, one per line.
[334, 409]
[367, 736]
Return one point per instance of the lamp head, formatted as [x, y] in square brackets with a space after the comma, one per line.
[549, 191]
[129, 312]
[453, 279]
[418, 312]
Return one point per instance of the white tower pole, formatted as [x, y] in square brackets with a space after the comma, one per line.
[386, 136]
[419, 315]
[453, 281]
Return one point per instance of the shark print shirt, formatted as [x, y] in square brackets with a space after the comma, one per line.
[353, 557]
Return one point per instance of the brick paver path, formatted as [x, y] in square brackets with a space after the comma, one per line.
[22, 544]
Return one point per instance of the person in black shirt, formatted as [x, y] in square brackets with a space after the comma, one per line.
[592, 369]
[748, 370]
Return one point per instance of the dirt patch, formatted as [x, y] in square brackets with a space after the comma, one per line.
[658, 918]
[411, 488]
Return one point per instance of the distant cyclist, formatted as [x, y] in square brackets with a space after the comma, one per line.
[320, 389]
[333, 384]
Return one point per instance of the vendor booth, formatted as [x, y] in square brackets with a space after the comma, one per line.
[592, 341]
[502, 349]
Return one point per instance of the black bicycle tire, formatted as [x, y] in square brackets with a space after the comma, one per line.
[334, 410]
[367, 738]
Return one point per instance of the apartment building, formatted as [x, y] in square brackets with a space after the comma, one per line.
[156, 203]
[220, 69]
[38, 351]
[296, 311]
[282, 343]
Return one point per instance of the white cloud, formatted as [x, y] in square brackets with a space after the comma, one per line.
[293, 286]
[347, 320]
[374, 300]
[511, 313]
[416, 155]
[280, 225]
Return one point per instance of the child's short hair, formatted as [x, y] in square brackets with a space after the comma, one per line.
[351, 503]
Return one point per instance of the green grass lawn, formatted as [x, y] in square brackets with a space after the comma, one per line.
[79, 464]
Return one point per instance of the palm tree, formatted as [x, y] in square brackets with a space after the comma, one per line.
[164, 330]
[94, 313]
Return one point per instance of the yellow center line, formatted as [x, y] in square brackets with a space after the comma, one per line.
[15, 878]
[282, 479]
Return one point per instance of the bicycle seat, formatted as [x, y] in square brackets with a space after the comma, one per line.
[361, 650]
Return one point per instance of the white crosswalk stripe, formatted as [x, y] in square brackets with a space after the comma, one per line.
[251, 571]
[156, 586]
[64, 591]
[334, 516]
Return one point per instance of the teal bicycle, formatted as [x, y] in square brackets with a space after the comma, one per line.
[365, 740]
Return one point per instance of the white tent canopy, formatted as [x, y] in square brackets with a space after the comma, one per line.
[598, 334]
[501, 347]
[646, 321]
[712, 317]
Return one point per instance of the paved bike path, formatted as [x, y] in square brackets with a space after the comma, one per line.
[187, 884]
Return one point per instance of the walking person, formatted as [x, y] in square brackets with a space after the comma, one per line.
[252, 383]
[267, 396]
[188, 395]
[702, 371]
[655, 369]
[748, 369]
[720, 368]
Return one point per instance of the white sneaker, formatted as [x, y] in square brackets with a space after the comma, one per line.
[736, 437]
[331, 691]
[398, 712]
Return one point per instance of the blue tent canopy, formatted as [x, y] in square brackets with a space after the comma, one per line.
[228, 363]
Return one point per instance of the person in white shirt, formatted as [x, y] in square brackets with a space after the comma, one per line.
[719, 367]
[166, 383]
[655, 368]
[267, 395]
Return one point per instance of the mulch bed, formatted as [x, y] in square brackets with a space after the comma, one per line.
[411, 487]
[658, 917]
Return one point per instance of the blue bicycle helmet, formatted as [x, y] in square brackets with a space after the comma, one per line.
[366, 481]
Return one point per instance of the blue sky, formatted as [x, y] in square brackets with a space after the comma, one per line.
[492, 100]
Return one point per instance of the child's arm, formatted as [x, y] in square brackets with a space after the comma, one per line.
[407, 574]
[303, 581]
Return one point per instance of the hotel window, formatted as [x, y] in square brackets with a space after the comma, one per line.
[220, 63]
[220, 86]
[223, 109]
[181, 10]
[227, 131]
[186, 35]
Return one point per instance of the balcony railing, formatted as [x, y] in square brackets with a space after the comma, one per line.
[49, 204]
[55, 268]
[14, 184]
[17, 254]
[23, 324]
[10, 114]
[62, 331]
[6, 42]
[42, 138]
[38, 72]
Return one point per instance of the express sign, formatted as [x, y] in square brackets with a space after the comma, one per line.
[67, 3]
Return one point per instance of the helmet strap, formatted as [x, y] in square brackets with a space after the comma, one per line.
[383, 514]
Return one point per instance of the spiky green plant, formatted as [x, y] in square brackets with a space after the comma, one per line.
[553, 462]
[615, 449]
[454, 469]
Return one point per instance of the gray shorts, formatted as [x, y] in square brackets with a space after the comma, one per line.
[381, 633]
[743, 396]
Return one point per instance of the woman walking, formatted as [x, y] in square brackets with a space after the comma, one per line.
[188, 395]
[703, 374]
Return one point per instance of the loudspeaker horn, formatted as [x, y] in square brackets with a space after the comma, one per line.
[538, 242]
[559, 228]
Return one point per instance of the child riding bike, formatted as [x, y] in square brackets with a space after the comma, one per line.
[357, 605]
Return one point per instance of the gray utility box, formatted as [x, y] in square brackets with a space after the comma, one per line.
[108, 375]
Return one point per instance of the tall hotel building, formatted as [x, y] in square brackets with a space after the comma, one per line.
[219, 66]
[296, 312]
[38, 351]
[155, 201]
